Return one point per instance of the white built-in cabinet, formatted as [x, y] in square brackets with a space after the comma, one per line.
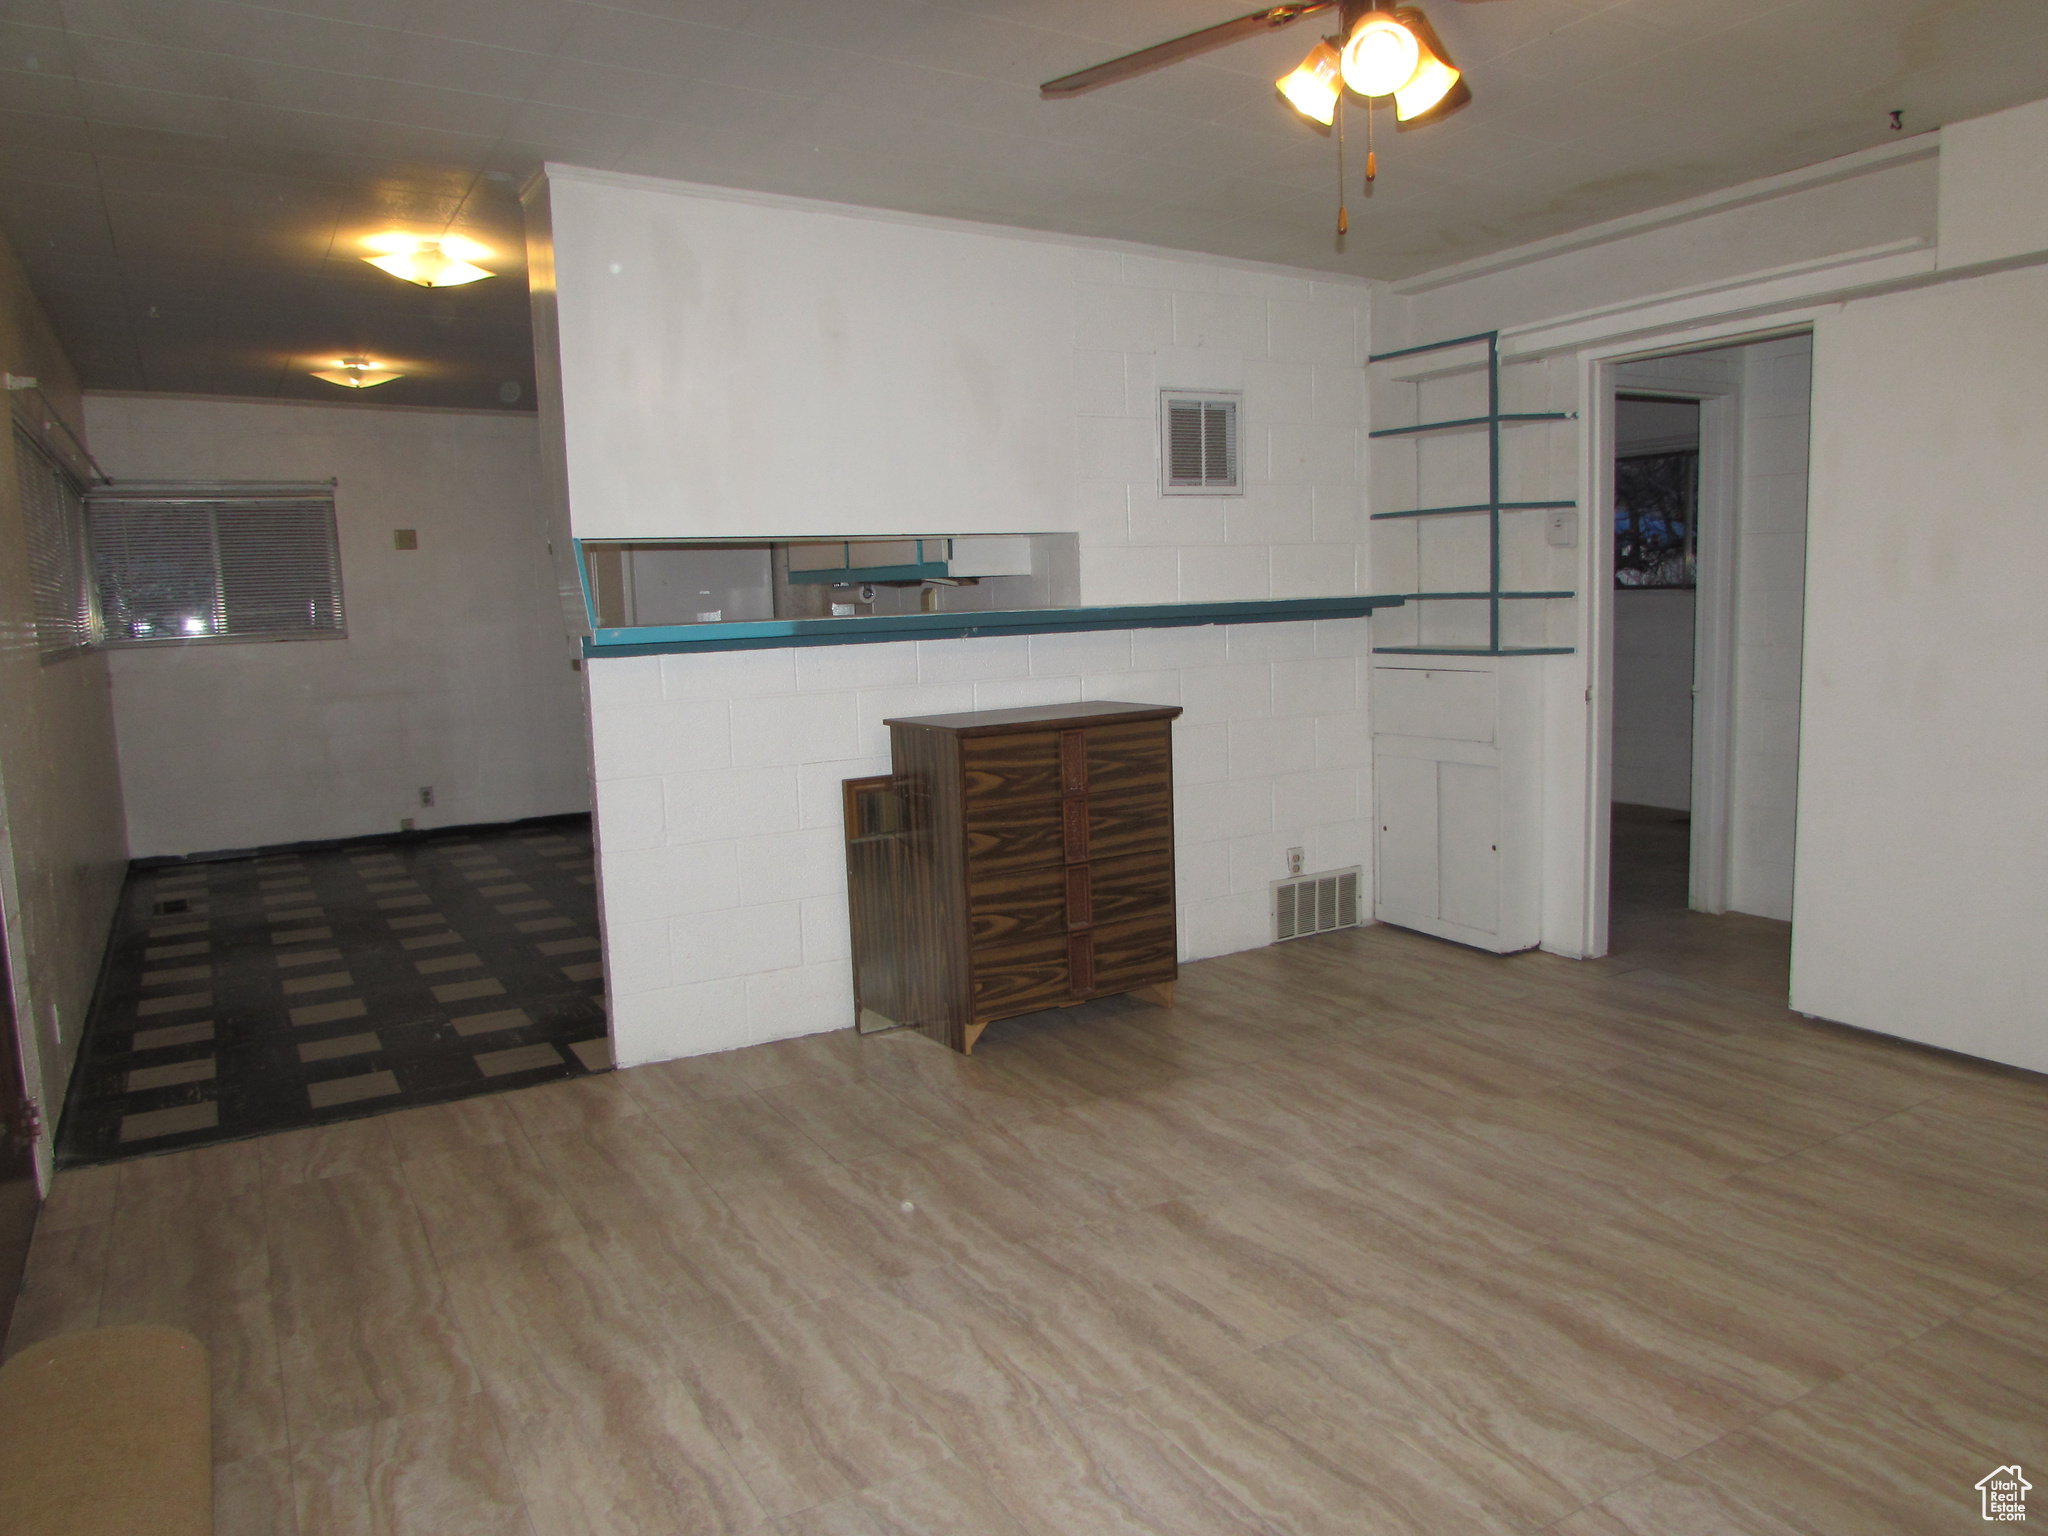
[1457, 746]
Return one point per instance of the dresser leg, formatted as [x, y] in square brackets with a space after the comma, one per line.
[1160, 992]
[969, 1035]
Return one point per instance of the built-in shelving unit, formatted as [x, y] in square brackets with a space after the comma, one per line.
[1494, 594]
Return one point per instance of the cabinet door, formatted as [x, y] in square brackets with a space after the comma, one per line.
[1404, 789]
[1468, 843]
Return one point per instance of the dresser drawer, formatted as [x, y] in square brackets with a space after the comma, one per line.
[1136, 953]
[1136, 886]
[1136, 822]
[1009, 837]
[1025, 766]
[1129, 757]
[1020, 978]
[1008, 906]
[1005, 906]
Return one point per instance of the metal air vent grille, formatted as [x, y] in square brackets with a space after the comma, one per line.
[1315, 904]
[1198, 448]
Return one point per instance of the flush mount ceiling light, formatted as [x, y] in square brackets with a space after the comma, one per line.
[357, 373]
[430, 262]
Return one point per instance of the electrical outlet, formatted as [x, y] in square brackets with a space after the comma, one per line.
[426, 794]
[1561, 529]
[1294, 858]
[405, 824]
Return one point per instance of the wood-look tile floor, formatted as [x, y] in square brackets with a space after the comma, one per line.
[1369, 1234]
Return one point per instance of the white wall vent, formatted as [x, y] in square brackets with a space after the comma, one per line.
[1315, 904]
[1198, 444]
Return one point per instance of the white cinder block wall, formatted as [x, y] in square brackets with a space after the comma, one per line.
[1653, 671]
[736, 366]
[718, 799]
[748, 366]
[454, 673]
[1295, 347]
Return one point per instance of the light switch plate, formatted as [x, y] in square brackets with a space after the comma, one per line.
[1561, 529]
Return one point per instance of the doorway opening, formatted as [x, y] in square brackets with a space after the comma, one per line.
[1704, 563]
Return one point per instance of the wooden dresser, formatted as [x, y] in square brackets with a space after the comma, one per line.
[1016, 859]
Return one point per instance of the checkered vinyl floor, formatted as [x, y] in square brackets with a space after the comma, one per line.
[252, 995]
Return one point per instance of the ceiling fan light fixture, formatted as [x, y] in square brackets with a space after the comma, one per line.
[1313, 88]
[1436, 78]
[357, 373]
[1380, 56]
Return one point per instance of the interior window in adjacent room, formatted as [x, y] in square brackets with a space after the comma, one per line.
[1656, 519]
[58, 570]
[181, 563]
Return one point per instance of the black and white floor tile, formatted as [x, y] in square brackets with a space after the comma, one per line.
[252, 995]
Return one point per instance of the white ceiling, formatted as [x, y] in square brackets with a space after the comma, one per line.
[188, 180]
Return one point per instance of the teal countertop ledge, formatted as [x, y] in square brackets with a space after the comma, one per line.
[768, 634]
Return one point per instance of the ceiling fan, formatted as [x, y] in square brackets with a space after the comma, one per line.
[1375, 52]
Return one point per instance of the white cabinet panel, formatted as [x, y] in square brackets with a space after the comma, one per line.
[1405, 790]
[1457, 766]
[1468, 833]
[1435, 702]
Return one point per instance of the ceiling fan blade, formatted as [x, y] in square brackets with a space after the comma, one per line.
[1161, 54]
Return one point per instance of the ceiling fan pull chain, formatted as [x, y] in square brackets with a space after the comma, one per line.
[1343, 217]
[1372, 160]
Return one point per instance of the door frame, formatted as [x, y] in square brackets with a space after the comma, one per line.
[1599, 371]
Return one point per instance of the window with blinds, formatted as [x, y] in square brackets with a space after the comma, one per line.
[177, 564]
[1198, 450]
[58, 568]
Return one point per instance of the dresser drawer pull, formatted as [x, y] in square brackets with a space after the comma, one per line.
[1074, 762]
[1081, 963]
[1080, 893]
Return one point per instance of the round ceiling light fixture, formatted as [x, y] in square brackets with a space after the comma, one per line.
[1380, 55]
[357, 373]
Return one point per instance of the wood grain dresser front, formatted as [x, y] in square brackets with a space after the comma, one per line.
[1032, 867]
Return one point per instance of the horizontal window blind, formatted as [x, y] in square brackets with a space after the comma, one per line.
[58, 570]
[216, 562]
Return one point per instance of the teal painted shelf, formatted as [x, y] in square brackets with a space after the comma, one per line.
[768, 634]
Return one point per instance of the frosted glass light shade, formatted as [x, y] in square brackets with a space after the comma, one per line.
[429, 265]
[357, 373]
[1380, 55]
[1435, 75]
[1313, 88]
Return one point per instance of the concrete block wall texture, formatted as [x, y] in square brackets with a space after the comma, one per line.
[782, 368]
[455, 672]
[1294, 349]
[722, 854]
[1653, 672]
[1770, 621]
